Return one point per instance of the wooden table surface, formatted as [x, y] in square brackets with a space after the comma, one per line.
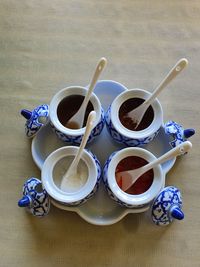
[48, 45]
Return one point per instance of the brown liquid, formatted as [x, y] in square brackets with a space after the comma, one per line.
[143, 183]
[68, 107]
[127, 122]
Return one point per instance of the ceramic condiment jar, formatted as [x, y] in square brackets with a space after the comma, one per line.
[44, 114]
[116, 193]
[55, 167]
[37, 194]
[126, 136]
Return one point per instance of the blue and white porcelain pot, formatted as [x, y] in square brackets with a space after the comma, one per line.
[56, 165]
[117, 194]
[35, 198]
[129, 137]
[44, 114]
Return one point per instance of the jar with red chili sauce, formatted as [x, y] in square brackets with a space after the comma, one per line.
[145, 189]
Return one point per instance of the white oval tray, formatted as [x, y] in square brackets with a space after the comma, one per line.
[100, 210]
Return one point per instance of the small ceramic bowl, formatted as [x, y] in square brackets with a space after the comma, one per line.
[124, 198]
[128, 137]
[44, 113]
[56, 165]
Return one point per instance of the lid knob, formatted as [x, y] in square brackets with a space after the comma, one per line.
[26, 114]
[189, 132]
[177, 213]
[25, 201]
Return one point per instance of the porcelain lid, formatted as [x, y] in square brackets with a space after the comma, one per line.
[167, 206]
[177, 133]
[35, 198]
[35, 119]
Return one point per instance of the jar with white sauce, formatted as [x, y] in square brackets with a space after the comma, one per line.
[79, 188]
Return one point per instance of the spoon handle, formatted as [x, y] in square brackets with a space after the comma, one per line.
[130, 177]
[89, 126]
[180, 149]
[180, 65]
[98, 70]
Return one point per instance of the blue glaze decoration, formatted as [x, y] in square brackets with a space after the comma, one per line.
[25, 201]
[76, 140]
[177, 213]
[119, 138]
[167, 206]
[33, 125]
[35, 198]
[26, 113]
[188, 133]
[177, 133]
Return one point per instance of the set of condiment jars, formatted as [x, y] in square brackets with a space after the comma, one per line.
[61, 105]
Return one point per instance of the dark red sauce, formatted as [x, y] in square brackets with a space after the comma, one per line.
[69, 106]
[143, 183]
[127, 122]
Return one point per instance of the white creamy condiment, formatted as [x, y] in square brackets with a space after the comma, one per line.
[74, 182]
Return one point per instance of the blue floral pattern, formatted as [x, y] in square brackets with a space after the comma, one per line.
[167, 198]
[40, 203]
[77, 140]
[176, 132]
[32, 125]
[119, 138]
